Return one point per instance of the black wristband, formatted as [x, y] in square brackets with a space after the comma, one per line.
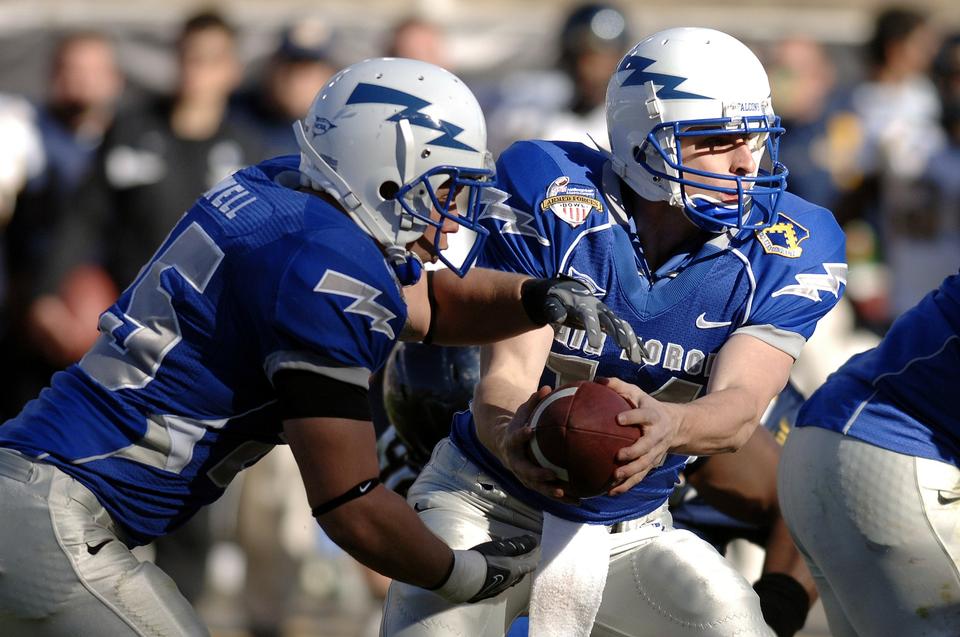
[784, 603]
[533, 296]
[359, 489]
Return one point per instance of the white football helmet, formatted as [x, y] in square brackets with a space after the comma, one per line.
[382, 136]
[704, 79]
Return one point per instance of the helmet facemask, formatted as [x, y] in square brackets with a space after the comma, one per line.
[455, 193]
[382, 137]
[693, 82]
[662, 156]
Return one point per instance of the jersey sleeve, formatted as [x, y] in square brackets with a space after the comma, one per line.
[800, 270]
[526, 235]
[335, 314]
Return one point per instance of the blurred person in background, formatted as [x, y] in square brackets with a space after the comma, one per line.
[159, 156]
[898, 101]
[900, 116]
[54, 317]
[295, 72]
[21, 158]
[567, 104]
[935, 215]
[418, 38]
[825, 133]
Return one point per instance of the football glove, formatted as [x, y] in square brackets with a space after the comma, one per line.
[566, 301]
[488, 569]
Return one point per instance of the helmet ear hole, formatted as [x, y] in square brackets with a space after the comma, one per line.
[388, 190]
[638, 154]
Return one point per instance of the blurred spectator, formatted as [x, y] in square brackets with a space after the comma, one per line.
[159, 157]
[924, 218]
[22, 155]
[898, 103]
[85, 85]
[299, 67]
[823, 133]
[566, 104]
[417, 38]
[901, 115]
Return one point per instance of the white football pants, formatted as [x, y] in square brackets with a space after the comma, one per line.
[880, 532]
[670, 584]
[64, 569]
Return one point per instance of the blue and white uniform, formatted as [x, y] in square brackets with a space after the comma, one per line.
[562, 217]
[900, 395]
[561, 213]
[176, 396]
[870, 487]
[188, 384]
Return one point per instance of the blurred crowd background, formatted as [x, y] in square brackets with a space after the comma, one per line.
[115, 116]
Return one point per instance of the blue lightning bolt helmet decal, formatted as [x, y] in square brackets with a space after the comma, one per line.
[668, 83]
[374, 94]
[690, 82]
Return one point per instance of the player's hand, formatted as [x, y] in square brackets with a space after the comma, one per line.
[659, 421]
[566, 301]
[513, 451]
[490, 568]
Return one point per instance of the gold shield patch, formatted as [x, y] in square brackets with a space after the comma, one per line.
[784, 237]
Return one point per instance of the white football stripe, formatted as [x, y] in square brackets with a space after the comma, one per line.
[542, 460]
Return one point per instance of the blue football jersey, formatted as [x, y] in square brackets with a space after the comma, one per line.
[562, 214]
[176, 395]
[899, 395]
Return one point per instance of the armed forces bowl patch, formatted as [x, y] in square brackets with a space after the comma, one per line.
[783, 237]
[573, 203]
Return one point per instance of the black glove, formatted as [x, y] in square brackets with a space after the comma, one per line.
[488, 569]
[565, 301]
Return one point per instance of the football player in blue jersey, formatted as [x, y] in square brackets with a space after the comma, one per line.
[258, 321]
[722, 274]
[870, 479]
[720, 498]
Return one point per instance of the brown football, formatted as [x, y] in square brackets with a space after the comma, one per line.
[577, 436]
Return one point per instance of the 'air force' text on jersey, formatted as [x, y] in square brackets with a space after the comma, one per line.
[561, 214]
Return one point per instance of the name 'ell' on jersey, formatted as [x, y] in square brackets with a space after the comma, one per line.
[252, 280]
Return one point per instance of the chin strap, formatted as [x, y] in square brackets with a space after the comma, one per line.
[406, 265]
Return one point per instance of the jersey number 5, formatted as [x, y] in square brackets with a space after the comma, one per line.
[133, 344]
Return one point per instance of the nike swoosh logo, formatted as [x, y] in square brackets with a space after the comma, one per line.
[93, 550]
[363, 488]
[704, 324]
[494, 583]
[944, 500]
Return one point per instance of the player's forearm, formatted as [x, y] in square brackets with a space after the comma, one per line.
[382, 532]
[720, 422]
[495, 402]
[483, 307]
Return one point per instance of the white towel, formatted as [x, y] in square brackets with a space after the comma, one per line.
[568, 583]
